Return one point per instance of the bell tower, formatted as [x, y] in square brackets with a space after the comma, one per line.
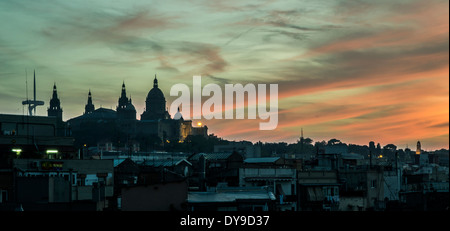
[55, 105]
[419, 148]
[89, 108]
[125, 109]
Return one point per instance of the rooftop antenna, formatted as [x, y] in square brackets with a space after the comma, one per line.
[301, 140]
[301, 136]
[34, 89]
[26, 91]
[26, 82]
[32, 104]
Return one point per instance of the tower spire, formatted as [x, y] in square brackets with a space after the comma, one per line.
[301, 135]
[302, 140]
[89, 108]
[55, 105]
[419, 148]
[55, 92]
[124, 91]
[123, 100]
[155, 82]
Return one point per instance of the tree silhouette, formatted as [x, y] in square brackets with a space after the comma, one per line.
[334, 142]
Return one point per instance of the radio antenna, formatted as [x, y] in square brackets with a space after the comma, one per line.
[32, 104]
[26, 83]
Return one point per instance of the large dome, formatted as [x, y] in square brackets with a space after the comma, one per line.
[155, 93]
[155, 104]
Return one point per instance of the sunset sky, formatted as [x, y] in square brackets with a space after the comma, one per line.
[358, 71]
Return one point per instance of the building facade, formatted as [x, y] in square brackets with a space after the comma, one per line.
[43, 184]
[156, 126]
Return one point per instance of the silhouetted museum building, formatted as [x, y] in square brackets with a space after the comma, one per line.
[121, 126]
[23, 136]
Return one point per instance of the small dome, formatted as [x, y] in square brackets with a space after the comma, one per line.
[178, 115]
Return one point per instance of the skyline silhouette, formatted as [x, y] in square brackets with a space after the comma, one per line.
[301, 139]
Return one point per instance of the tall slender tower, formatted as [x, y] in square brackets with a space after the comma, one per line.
[123, 100]
[55, 105]
[301, 135]
[419, 148]
[125, 109]
[301, 141]
[89, 108]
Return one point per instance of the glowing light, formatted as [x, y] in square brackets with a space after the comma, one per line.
[199, 124]
[17, 150]
[52, 151]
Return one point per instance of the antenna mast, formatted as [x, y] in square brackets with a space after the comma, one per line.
[26, 82]
[32, 104]
[34, 90]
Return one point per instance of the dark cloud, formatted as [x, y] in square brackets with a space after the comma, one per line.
[364, 65]
[238, 36]
[206, 55]
[284, 24]
[119, 32]
[293, 35]
[166, 66]
[134, 44]
[441, 125]
[122, 33]
[221, 81]
[143, 20]
[110, 62]
[234, 5]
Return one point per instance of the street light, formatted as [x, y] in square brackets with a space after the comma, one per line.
[17, 150]
[52, 154]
